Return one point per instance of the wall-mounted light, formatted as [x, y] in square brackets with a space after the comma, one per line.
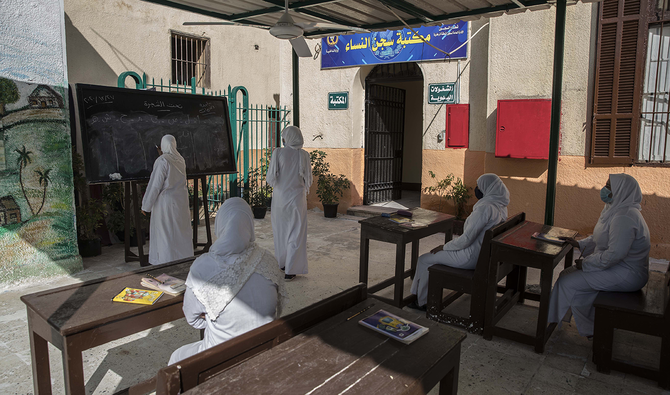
[256, 47]
[440, 136]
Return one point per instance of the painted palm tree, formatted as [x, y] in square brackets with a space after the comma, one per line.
[44, 178]
[23, 160]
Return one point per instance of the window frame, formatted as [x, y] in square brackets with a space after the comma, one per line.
[206, 80]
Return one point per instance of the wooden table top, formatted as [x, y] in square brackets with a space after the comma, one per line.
[338, 355]
[75, 308]
[519, 238]
[419, 215]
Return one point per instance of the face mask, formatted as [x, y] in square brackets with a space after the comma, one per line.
[478, 193]
[605, 195]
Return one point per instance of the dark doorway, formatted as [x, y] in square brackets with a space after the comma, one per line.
[385, 134]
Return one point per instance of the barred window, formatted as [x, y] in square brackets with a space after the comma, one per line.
[190, 58]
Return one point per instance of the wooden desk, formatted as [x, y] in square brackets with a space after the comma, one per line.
[78, 317]
[517, 247]
[340, 355]
[382, 229]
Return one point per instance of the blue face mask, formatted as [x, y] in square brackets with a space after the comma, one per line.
[605, 195]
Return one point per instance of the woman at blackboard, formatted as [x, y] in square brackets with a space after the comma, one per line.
[167, 200]
[290, 176]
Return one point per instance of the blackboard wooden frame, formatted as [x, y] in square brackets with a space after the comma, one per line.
[147, 107]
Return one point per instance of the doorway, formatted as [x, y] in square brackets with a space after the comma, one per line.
[393, 138]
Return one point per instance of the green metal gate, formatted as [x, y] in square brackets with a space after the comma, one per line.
[255, 130]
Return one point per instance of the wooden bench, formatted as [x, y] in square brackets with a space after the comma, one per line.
[188, 373]
[474, 282]
[646, 311]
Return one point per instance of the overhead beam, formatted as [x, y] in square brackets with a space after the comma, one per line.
[410, 9]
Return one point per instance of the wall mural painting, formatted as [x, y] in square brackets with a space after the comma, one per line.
[37, 229]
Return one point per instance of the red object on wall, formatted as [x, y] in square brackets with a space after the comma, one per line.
[522, 128]
[458, 125]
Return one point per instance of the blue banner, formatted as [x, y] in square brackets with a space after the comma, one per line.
[393, 46]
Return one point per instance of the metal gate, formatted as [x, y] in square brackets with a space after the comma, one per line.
[384, 138]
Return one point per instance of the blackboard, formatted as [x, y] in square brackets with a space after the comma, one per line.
[122, 127]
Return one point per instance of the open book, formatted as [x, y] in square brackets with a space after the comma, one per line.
[168, 284]
[547, 238]
[394, 327]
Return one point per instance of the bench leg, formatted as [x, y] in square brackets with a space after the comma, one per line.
[73, 369]
[40, 357]
[399, 273]
[449, 383]
[664, 368]
[603, 337]
[434, 304]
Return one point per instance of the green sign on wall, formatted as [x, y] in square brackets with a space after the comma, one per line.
[441, 93]
[338, 100]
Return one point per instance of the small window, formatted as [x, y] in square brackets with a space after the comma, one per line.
[190, 58]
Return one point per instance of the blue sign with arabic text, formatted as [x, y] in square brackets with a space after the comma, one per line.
[393, 46]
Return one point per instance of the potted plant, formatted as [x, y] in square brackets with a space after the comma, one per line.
[255, 192]
[329, 187]
[89, 215]
[451, 188]
[113, 197]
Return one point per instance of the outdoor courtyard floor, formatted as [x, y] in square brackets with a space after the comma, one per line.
[487, 367]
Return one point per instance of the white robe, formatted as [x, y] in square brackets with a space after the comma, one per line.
[462, 252]
[617, 259]
[289, 207]
[253, 306]
[166, 198]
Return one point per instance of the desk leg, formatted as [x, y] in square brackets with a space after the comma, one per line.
[415, 256]
[449, 383]
[73, 368]
[39, 353]
[399, 273]
[568, 259]
[545, 293]
[365, 250]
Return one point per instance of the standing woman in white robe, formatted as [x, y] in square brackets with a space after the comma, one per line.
[166, 198]
[235, 287]
[462, 252]
[616, 256]
[290, 176]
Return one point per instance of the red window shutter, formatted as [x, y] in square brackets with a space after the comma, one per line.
[458, 125]
[619, 73]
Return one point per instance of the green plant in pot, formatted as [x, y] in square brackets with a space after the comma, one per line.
[256, 191]
[454, 189]
[329, 187]
[113, 197]
[89, 215]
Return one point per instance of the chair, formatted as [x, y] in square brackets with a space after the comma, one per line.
[646, 311]
[463, 281]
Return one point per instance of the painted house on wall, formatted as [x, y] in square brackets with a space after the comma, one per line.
[45, 97]
[10, 212]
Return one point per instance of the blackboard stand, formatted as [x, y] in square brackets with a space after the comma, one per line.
[133, 193]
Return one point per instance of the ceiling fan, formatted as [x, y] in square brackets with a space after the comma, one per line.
[286, 29]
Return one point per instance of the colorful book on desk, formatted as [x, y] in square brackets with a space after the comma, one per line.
[394, 327]
[138, 296]
[166, 283]
[547, 238]
[400, 219]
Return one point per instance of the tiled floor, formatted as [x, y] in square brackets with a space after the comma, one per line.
[487, 367]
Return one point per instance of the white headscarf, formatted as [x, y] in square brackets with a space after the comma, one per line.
[494, 190]
[293, 139]
[169, 148]
[217, 276]
[626, 193]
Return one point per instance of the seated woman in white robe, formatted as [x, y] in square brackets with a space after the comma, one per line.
[290, 176]
[235, 287]
[616, 256]
[462, 252]
[166, 198]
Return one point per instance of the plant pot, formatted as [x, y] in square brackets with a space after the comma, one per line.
[330, 210]
[89, 248]
[458, 227]
[259, 211]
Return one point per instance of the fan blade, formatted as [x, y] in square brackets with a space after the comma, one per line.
[311, 26]
[300, 47]
[225, 24]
